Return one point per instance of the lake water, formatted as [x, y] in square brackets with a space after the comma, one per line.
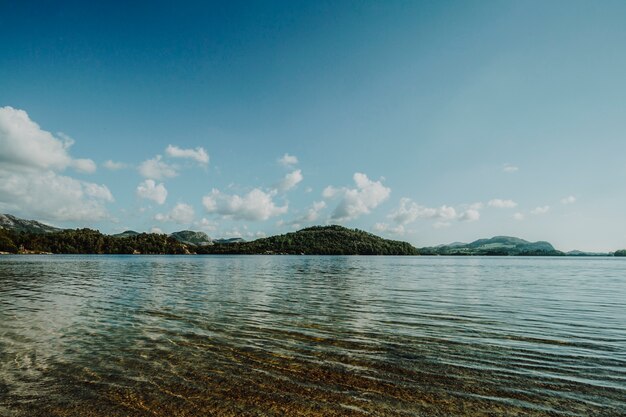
[300, 335]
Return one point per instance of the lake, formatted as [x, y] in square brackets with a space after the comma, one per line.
[309, 335]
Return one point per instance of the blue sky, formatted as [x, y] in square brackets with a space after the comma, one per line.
[429, 122]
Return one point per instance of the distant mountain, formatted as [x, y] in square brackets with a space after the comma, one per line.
[229, 240]
[452, 245]
[495, 246]
[582, 253]
[317, 240]
[15, 224]
[190, 237]
[621, 252]
[126, 233]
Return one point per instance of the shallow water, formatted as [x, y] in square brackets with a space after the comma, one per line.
[306, 335]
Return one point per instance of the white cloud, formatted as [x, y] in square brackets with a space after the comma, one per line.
[441, 224]
[156, 230]
[498, 203]
[386, 228]
[409, 211]
[469, 215]
[48, 195]
[198, 154]
[508, 168]
[233, 233]
[540, 210]
[519, 216]
[446, 212]
[84, 165]
[24, 145]
[100, 192]
[181, 213]
[255, 205]
[156, 169]
[114, 166]
[291, 180]
[30, 184]
[330, 192]
[568, 200]
[380, 227]
[313, 212]
[357, 201]
[150, 190]
[311, 215]
[288, 160]
[207, 225]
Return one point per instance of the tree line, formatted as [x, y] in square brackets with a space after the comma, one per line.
[319, 240]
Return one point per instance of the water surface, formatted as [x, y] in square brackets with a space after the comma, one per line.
[300, 335]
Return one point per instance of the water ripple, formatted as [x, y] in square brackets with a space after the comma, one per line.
[305, 336]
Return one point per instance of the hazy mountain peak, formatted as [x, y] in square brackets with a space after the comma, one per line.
[10, 222]
[192, 238]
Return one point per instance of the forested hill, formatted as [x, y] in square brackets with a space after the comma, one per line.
[318, 240]
[495, 246]
[87, 241]
[328, 240]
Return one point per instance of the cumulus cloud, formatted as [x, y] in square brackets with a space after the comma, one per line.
[30, 183]
[156, 169]
[314, 211]
[114, 166]
[255, 205]
[84, 165]
[508, 168]
[540, 210]
[23, 144]
[357, 201]
[288, 160]
[409, 211]
[150, 190]
[568, 200]
[48, 195]
[312, 214]
[181, 213]
[386, 228]
[519, 216]
[207, 225]
[330, 192]
[498, 203]
[470, 215]
[198, 154]
[290, 180]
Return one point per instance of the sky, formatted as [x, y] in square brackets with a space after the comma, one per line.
[424, 121]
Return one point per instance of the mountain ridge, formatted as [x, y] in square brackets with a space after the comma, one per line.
[495, 246]
[17, 233]
[10, 222]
